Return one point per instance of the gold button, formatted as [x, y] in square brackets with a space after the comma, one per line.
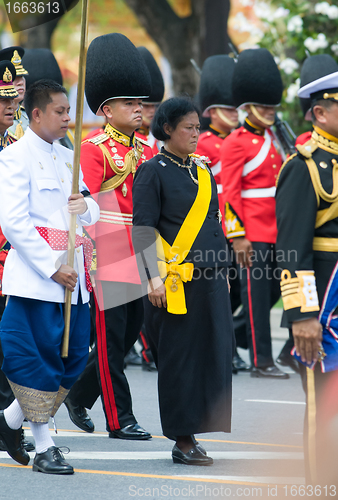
[310, 298]
[78, 250]
[62, 180]
[272, 156]
[274, 166]
[217, 145]
[309, 283]
[255, 141]
[275, 176]
[77, 226]
[54, 157]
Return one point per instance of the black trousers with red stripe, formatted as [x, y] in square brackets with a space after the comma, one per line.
[117, 329]
[260, 290]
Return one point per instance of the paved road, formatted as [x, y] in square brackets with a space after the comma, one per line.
[261, 457]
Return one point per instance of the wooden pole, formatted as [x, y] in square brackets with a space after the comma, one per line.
[76, 164]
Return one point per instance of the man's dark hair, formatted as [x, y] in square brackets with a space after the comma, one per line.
[39, 95]
[325, 103]
[171, 112]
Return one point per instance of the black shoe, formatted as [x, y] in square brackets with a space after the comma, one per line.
[27, 444]
[13, 441]
[198, 445]
[192, 457]
[79, 416]
[288, 360]
[268, 372]
[239, 364]
[133, 358]
[132, 431]
[148, 366]
[52, 461]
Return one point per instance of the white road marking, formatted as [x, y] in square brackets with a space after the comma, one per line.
[275, 401]
[165, 455]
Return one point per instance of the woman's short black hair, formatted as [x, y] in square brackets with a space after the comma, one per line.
[171, 112]
[39, 95]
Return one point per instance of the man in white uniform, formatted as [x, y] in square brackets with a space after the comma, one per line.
[35, 203]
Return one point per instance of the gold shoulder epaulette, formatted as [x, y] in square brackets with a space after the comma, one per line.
[146, 143]
[285, 163]
[98, 139]
[308, 148]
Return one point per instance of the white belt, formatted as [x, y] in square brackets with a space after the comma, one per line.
[259, 193]
[219, 188]
[116, 218]
[216, 169]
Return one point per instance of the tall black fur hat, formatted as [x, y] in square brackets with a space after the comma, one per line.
[15, 55]
[157, 83]
[215, 87]
[256, 79]
[41, 64]
[115, 69]
[315, 67]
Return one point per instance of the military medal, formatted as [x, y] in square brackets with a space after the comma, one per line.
[124, 189]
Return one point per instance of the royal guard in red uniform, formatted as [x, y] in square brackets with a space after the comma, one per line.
[216, 102]
[117, 80]
[151, 103]
[250, 165]
[314, 67]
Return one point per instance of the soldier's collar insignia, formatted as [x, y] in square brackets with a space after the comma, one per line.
[7, 76]
[217, 132]
[324, 140]
[118, 136]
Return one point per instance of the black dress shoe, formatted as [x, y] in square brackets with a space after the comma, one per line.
[132, 431]
[27, 444]
[133, 358]
[52, 461]
[79, 416]
[288, 360]
[192, 457]
[13, 441]
[198, 445]
[239, 364]
[268, 372]
[148, 366]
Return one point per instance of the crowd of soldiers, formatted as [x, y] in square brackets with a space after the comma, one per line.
[280, 223]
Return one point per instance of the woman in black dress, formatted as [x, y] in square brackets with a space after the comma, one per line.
[187, 308]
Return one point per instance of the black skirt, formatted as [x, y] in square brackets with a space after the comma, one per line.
[193, 353]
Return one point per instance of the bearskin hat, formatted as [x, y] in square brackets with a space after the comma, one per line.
[41, 64]
[157, 83]
[115, 69]
[256, 79]
[216, 83]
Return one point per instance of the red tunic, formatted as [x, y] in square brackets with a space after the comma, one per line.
[103, 157]
[250, 166]
[209, 144]
[303, 138]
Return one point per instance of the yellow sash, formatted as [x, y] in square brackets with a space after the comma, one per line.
[171, 257]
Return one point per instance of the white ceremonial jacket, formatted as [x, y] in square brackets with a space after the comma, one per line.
[35, 183]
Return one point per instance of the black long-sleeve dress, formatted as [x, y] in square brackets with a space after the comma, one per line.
[193, 351]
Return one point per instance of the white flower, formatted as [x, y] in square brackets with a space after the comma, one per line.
[281, 12]
[295, 24]
[288, 65]
[334, 49]
[333, 12]
[262, 10]
[321, 41]
[322, 8]
[313, 44]
[292, 91]
[246, 3]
